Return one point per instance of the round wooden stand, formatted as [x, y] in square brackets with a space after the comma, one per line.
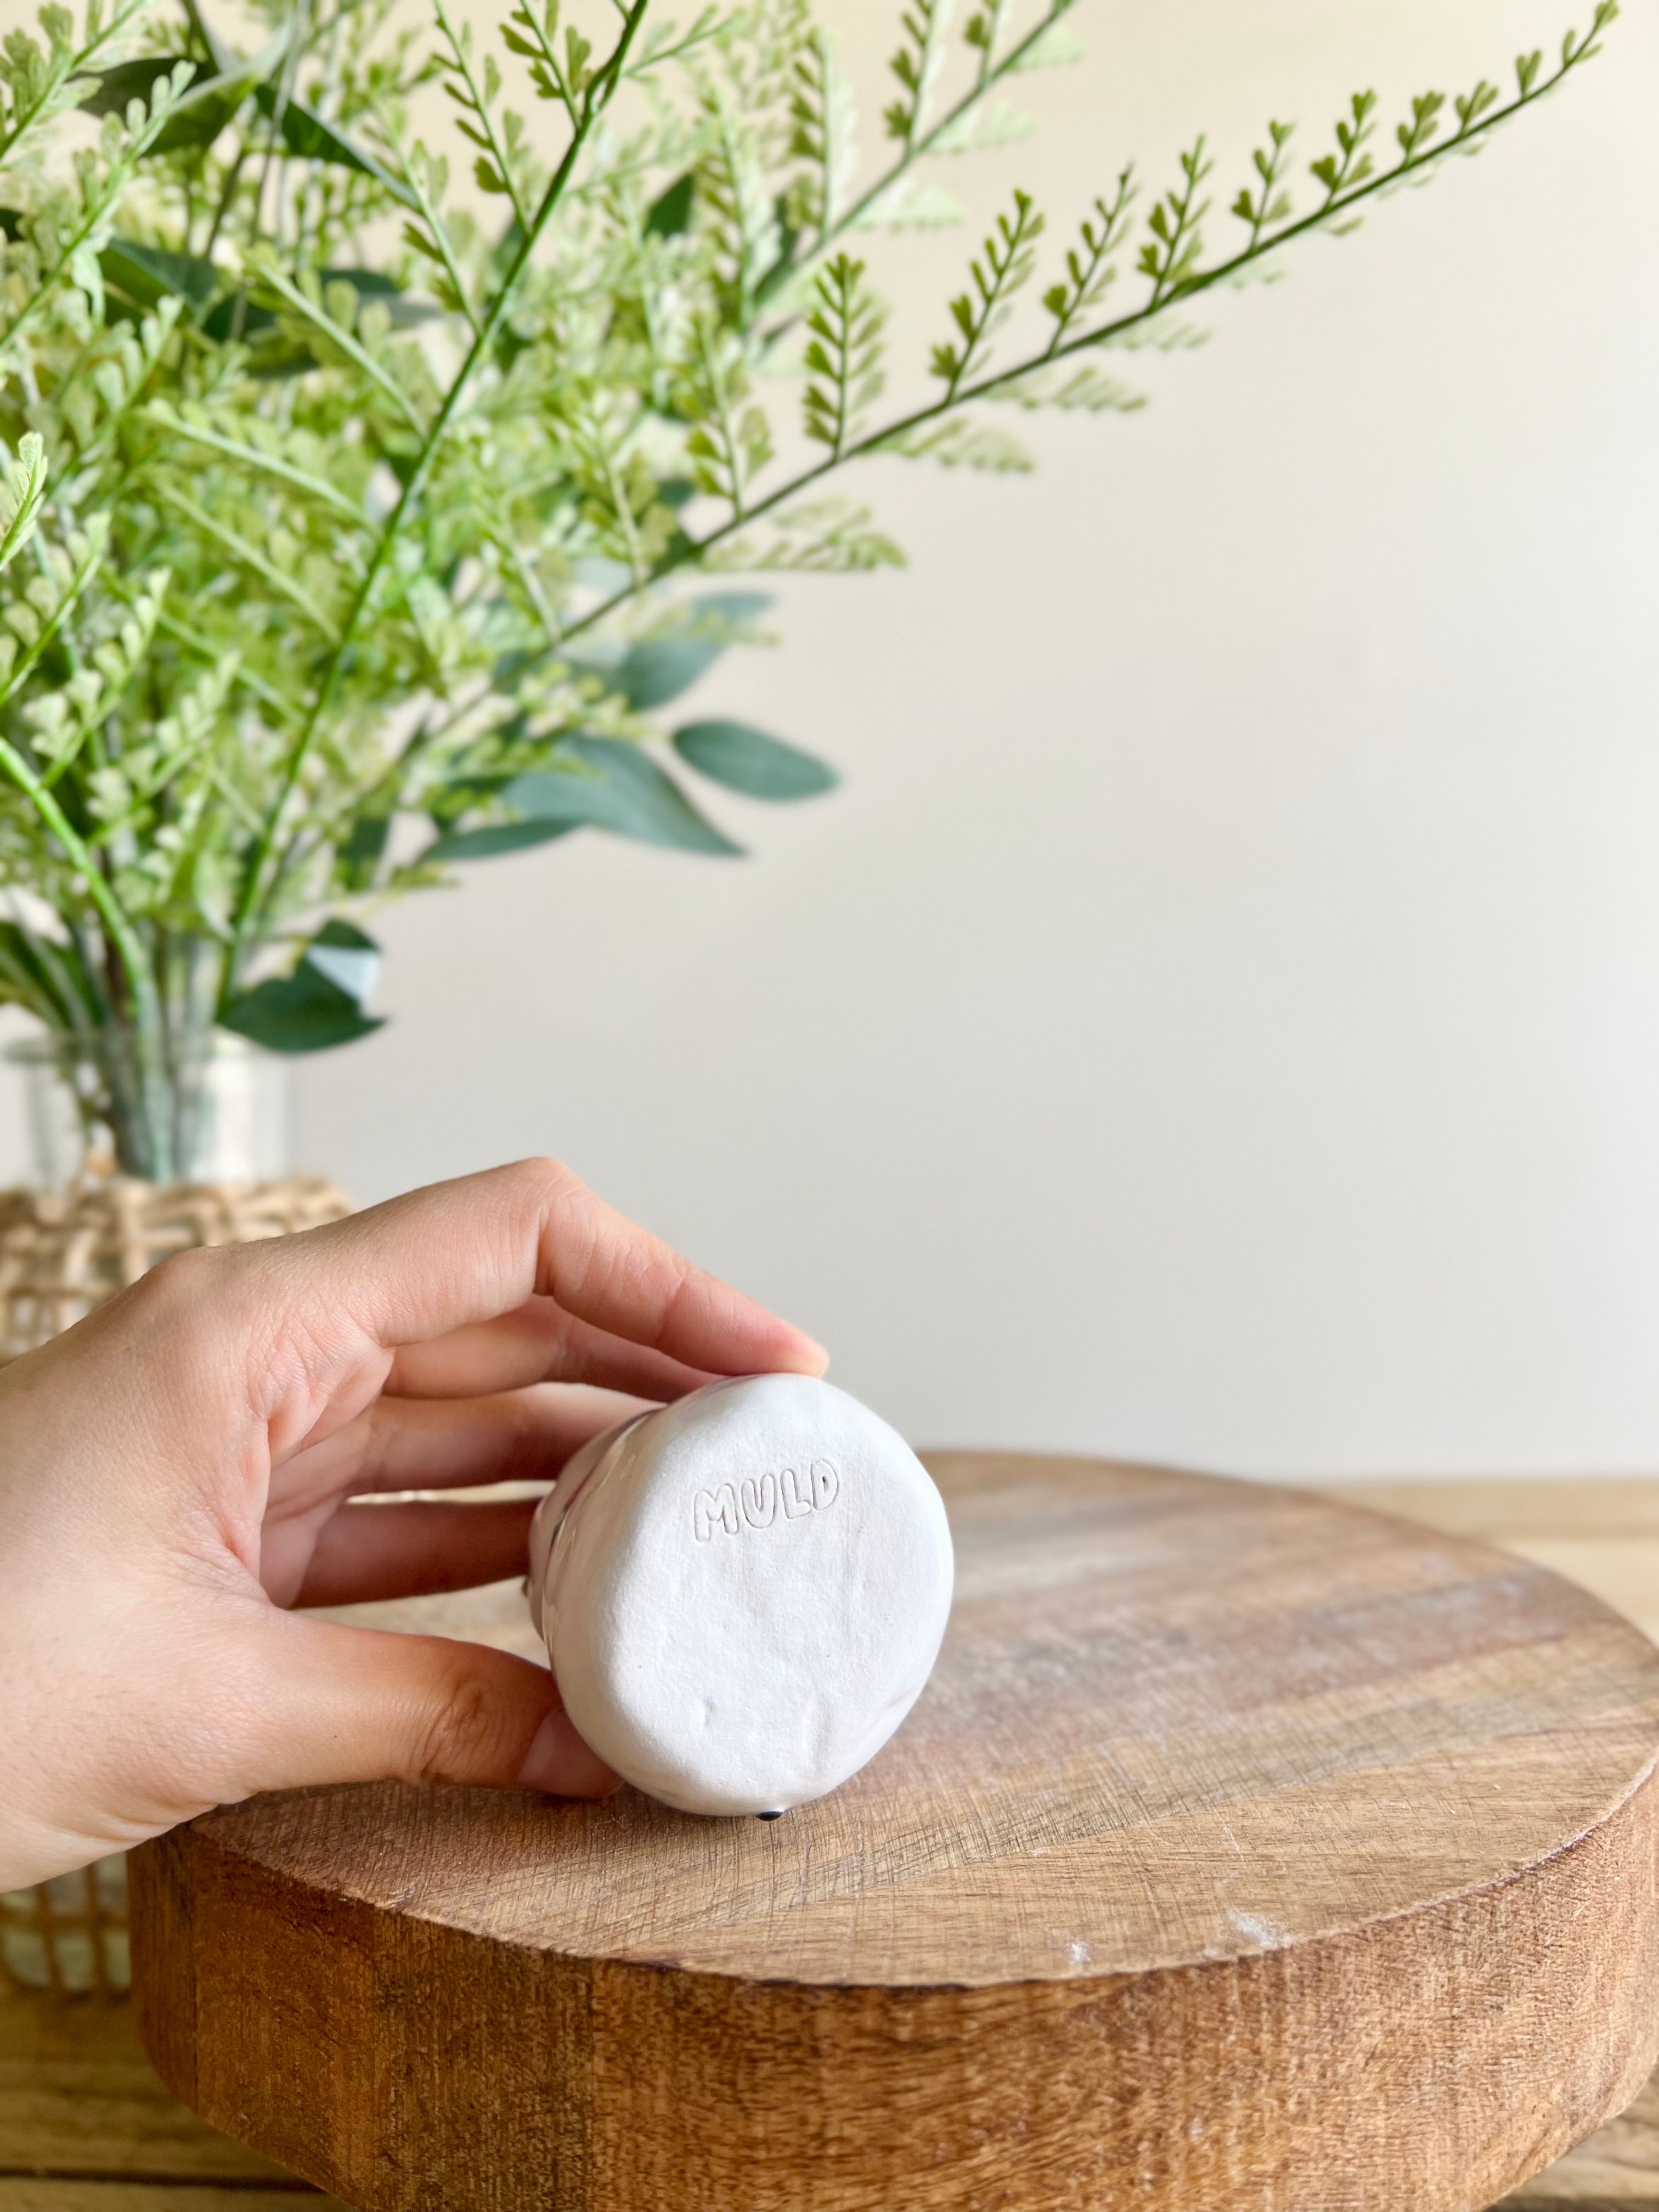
[1247, 1853]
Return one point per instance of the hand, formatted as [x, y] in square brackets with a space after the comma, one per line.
[175, 1472]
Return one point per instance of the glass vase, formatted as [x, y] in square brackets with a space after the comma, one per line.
[208, 1108]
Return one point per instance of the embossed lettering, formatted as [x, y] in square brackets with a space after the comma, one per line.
[714, 1509]
[753, 1501]
[797, 1495]
[760, 1500]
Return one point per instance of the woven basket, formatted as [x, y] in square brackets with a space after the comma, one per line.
[62, 1253]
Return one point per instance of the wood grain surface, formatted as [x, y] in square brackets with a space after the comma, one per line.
[1618, 2165]
[32, 2193]
[76, 2090]
[1248, 1851]
[1599, 1530]
[80, 2101]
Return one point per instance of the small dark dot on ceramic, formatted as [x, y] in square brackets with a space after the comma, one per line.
[769, 1816]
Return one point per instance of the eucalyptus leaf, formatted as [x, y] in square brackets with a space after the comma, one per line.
[658, 669]
[300, 1012]
[731, 606]
[320, 1005]
[237, 318]
[670, 214]
[203, 113]
[363, 849]
[747, 760]
[306, 135]
[146, 274]
[114, 88]
[350, 959]
[200, 117]
[617, 787]
[406, 311]
[237, 315]
[496, 837]
[653, 673]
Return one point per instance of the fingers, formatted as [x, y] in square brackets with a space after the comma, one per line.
[537, 1343]
[516, 1435]
[366, 1552]
[358, 1704]
[461, 1253]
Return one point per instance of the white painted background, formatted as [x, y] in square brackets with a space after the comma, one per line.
[1218, 1019]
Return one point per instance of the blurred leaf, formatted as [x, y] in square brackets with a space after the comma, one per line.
[300, 1012]
[670, 214]
[622, 790]
[958, 443]
[145, 274]
[907, 205]
[992, 123]
[497, 837]
[203, 112]
[48, 978]
[349, 960]
[374, 284]
[747, 760]
[237, 313]
[363, 850]
[314, 140]
[320, 1005]
[660, 668]
[199, 120]
[114, 88]
[1057, 47]
[731, 606]
[651, 674]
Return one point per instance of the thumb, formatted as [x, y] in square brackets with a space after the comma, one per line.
[364, 1704]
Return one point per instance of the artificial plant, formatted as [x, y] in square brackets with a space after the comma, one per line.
[348, 508]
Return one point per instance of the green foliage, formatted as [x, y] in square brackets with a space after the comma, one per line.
[745, 759]
[604, 783]
[319, 1004]
[843, 356]
[1090, 267]
[1169, 258]
[1005, 263]
[1270, 201]
[345, 508]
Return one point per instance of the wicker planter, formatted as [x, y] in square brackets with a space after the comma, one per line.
[62, 1253]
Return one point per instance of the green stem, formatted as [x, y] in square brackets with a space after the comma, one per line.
[284, 93]
[111, 913]
[916, 148]
[149, 1023]
[255, 891]
[691, 551]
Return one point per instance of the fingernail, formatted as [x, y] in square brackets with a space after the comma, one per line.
[560, 1764]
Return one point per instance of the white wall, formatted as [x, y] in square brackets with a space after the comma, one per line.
[1218, 1019]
